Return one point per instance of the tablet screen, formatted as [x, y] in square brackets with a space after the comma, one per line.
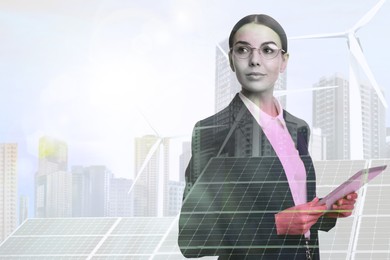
[352, 184]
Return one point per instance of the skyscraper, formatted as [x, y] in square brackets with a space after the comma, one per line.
[331, 115]
[226, 84]
[317, 145]
[184, 159]
[53, 184]
[146, 190]
[53, 155]
[175, 197]
[23, 209]
[151, 192]
[78, 187]
[91, 187]
[120, 201]
[8, 186]
[374, 124]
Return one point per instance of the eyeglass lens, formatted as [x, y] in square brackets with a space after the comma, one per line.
[267, 51]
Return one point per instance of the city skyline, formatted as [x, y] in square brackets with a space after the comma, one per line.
[62, 190]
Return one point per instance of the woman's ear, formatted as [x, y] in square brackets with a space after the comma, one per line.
[283, 66]
[231, 61]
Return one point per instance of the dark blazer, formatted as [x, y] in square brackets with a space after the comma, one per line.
[234, 132]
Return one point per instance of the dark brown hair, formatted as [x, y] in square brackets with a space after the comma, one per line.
[262, 19]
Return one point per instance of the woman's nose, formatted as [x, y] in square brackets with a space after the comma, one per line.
[255, 59]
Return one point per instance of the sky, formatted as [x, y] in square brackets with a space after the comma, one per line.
[98, 73]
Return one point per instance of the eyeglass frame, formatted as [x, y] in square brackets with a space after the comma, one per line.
[278, 50]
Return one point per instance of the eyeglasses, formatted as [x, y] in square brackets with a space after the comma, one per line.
[267, 51]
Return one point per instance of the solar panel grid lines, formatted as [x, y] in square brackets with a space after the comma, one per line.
[142, 226]
[129, 245]
[170, 243]
[74, 246]
[246, 175]
[60, 226]
[157, 248]
[374, 204]
[335, 172]
[228, 200]
[376, 234]
[332, 173]
[32, 253]
[357, 218]
[43, 257]
[104, 238]
[198, 180]
[156, 238]
[229, 209]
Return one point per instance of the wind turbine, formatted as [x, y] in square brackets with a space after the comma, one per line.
[356, 60]
[159, 149]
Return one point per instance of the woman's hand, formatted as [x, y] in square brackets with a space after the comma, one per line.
[343, 207]
[299, 219]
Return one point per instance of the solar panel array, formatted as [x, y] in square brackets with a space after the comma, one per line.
[230, 210]
[364, 235]
[92, 238]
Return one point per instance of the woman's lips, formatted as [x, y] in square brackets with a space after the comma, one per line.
[255, 75]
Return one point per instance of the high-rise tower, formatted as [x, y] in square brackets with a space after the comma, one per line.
[331, 111]
[8, 186]
[53, 184]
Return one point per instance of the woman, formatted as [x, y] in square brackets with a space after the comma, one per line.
[275, 215]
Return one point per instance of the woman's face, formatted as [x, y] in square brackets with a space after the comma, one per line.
[256, 74]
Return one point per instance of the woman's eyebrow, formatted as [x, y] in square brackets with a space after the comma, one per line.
[269, 42]
[242, 42]
[247, 43]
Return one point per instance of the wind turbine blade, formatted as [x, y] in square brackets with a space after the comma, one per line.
[206, 127]
[368, 16]
[151, 152]
[223, 51]
[279, 93]
[320, 36]
[150, 125]
[175, 136]
[357, 53]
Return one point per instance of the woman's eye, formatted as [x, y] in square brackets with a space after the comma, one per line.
[242, 49]
[268, 50]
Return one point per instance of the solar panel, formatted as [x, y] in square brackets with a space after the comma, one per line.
[364, 235]
[373, 234]
[66, 226]
[333, 173]
[93, 238]
[230, 209]
[170, 244]
[143, 226]
[129, 245]
[50, 245]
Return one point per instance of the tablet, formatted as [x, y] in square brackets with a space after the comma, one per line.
[357, 181]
